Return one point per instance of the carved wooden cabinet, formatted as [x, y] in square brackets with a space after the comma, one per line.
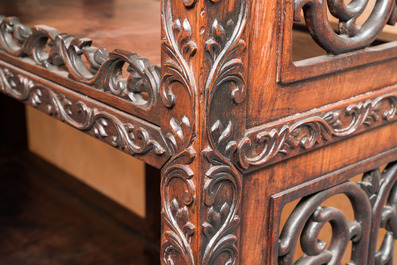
[254, 105]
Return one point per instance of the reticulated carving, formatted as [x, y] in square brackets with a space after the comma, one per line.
[179, 228]
[373, 201]
[309, 217]
[49, 48]
[350, 36]
[260, 147]
[381, 189]
[129, 137]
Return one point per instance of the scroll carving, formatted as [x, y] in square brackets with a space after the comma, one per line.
[180, 48]
[178, 185]
[179, 228]
[309, 217]
[315, 130]
[129, 137]
[221, 225]
[350, 36]
[374, 204]
[225, 47]
[381, 189]
[103, 70]
[218, 213]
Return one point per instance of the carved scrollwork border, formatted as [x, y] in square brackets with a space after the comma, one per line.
[49, 48]
[135, 137]
[271, 143]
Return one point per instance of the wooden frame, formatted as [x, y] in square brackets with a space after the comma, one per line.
[236, 128]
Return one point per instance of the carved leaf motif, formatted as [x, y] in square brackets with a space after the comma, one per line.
[221, 225]
[133, 139]
[217, 41]
[180, 49]
[175, 211]
[223, 138]
[371, 184]
[104, 70]
[260, 147]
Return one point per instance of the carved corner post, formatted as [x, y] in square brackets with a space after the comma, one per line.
[203, 90]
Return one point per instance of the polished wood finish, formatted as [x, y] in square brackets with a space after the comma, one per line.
[238, 127]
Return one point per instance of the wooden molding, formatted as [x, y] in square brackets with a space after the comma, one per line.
[127, 133]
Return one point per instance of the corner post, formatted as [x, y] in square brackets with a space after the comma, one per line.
[203, 91]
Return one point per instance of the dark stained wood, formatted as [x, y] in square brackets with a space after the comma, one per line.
[123, 131]
[241, 126]
[45, 223]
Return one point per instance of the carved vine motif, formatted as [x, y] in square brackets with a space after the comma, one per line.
[224, 47]
[221, 226]
[175, 213]
[314, 130]
[374, 202]
[223, 52]
[179, 49]
[350, 36]
[126, 136]
[49, 48]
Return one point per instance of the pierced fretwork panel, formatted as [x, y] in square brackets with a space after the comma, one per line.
[350, 35]
[368, 235]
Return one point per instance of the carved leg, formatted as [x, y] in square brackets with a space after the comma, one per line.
[203, 93]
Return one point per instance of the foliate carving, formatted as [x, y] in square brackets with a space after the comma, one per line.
[315, 130]
[178, 95]
[350, 36]
[126, 136]
[99, 68]
[223, 51]
[179, 227]
[381, 189]
[221, 225]
[374, 202]
[180, 48]
[225, 47]
[309, 217]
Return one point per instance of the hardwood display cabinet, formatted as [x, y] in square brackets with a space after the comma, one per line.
[248, 107]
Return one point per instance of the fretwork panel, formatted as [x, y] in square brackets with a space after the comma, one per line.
[367, 236]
